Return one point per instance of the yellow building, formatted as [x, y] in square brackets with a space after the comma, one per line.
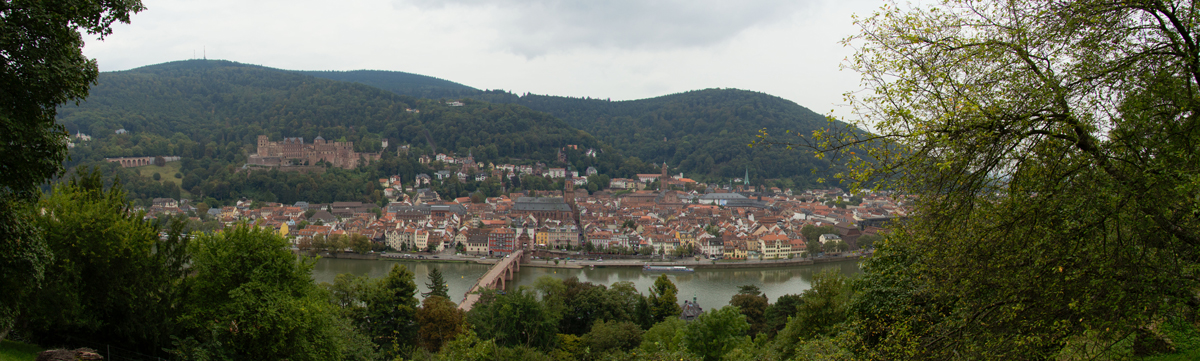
[774, 246]
[542, 237]
[686, 238]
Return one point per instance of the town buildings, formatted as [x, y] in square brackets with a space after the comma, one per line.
[728, 225]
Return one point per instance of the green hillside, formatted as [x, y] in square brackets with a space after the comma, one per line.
[414, 85]
[211, 112]
[224, 102]
[701, 133]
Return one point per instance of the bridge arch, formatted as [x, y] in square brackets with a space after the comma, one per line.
[496, 278]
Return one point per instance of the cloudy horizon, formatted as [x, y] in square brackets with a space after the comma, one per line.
[616, 49]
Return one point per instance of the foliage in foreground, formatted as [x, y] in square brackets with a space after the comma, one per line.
[1048, 153]
[251, 298]
[42, 67]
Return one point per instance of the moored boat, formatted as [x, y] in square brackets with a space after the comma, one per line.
[649, 268]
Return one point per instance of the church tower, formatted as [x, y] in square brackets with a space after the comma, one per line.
[569, 190]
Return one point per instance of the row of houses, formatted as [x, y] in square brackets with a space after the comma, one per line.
[725, 224]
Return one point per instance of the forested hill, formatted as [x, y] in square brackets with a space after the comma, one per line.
[200, 108]
[702, 133]
[402, 83]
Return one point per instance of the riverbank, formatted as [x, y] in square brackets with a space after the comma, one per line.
[584, 263]
[712, 286]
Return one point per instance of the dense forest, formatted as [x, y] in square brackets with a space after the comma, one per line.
[702, 133]
[184, 108]
[414, 85]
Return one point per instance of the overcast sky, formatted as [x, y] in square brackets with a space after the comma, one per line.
[618, 49]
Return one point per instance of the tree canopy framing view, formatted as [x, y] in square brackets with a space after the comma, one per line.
[1050, 150]
[1045, 153]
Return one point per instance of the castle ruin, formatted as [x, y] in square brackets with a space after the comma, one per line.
[293, 151]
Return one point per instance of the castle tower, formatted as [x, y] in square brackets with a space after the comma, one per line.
[263, 143]
[664, 172]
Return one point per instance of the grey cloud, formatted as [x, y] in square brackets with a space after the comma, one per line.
[537, 27]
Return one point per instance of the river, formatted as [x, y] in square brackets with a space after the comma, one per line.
[711, 287]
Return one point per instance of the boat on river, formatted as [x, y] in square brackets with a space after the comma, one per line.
[649, 268]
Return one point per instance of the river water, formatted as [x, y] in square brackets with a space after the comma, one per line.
[711, 287]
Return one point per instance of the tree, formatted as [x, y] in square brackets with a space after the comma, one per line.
[867, 241]
[608, 336]
[812, 234]
[24, 256]
[585, 303]
[349, 294]
[821, 308]
[112, 279]
[715, 333]
[43, 66]
[250, 297]
[440, 321]
[1047, 150]
[469, 347]
[753, 304]
[436, 284]
[392, 312]
[778, 313]
[665, 336]
[663, 303]
[359, 243]
[512, 319]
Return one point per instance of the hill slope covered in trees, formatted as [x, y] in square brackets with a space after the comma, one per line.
[216, 103]
[702, 133]
[211, 112]
[414, 85]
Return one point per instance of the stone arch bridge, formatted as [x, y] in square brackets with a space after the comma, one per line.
[496, 278]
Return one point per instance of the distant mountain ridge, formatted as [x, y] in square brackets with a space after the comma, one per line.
[414, 85]
[700, 133]
[229, 104]
[703, 134]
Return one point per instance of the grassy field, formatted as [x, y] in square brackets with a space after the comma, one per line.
[167, 172]
[16, 351]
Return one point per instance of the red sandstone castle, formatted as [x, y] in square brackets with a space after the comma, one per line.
[293, 151]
